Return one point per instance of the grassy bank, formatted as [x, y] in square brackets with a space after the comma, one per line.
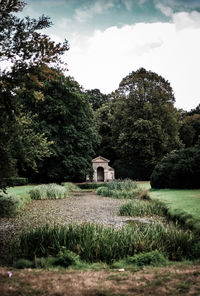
[182, 204]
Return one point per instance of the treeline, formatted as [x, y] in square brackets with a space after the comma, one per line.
[139, 125]
[51, 128]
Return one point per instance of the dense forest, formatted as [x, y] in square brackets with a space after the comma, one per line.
[51, 128]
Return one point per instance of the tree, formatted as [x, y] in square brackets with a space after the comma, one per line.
[96, 98]
[190, 130]
[194, 111]
[103, 119]
[145, 121]
[66, 118]
[179, 169]
[23, 48]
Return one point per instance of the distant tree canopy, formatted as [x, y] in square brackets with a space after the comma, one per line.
[190, 130]
[96, 98]
[22, 48]
[179, 169]
[194, 111]
[64, 115]
[190, 127]
[48, 123]
[143, 123]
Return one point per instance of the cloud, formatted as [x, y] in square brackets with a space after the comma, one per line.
[185, 20]
[166, 10]
[128, 4]
[169, 49]
[86, 12]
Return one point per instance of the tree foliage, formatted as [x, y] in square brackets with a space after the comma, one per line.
[66, 118]
[179, 169]
[144, 122]
[96, 98]
[22, 48]
[190, 129]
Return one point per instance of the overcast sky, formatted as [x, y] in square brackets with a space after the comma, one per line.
[111, 38]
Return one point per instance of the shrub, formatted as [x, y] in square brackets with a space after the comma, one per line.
[48, 191]
[15, 181]
[95, 243]
[142, 208]
[179, 169]
[23, 263]
[9, 205]
[66, 258]
[89, 185]
[103, 191]
[154, 258]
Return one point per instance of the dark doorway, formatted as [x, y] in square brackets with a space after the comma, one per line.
[100, 174]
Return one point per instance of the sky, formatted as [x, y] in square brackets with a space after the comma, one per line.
[110, 38]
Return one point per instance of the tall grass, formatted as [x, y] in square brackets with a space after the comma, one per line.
[70, 186]
[136, 193]
[127, 189]
[48, 191]
[125, 185]
[95, 243]
[143, 208]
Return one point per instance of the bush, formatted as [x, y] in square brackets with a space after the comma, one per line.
[9, 205]
[179, 169]
[48, 191]
[23, 263]
[142, 208]
[153, 258]
[94, 243]
[66, 258]
[15, 181]
[89, 185]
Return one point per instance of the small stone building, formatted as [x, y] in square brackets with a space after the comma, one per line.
[102, 171]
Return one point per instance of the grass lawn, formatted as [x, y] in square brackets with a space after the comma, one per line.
[20, 190]
[179, 201]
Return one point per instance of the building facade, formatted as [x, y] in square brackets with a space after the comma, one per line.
[102, 171]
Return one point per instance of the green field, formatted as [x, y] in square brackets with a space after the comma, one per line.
[20, 190]
[181, 202]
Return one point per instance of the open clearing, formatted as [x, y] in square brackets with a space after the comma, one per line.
[180, 279]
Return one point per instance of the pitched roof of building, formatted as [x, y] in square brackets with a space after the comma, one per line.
[100, 159]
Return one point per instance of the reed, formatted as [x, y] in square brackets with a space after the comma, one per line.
[48, 191]
[123, 189]
[143, 208]
[94, 243]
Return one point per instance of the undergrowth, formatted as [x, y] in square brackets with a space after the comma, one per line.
[66, 258]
